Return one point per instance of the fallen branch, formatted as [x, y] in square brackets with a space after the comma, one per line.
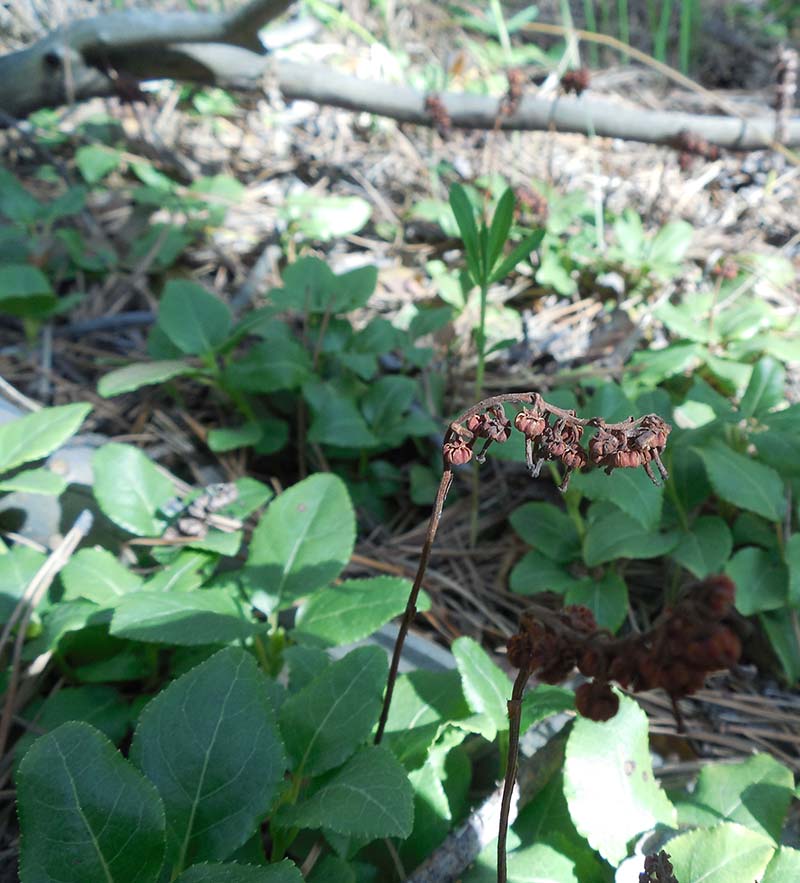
[103, 56]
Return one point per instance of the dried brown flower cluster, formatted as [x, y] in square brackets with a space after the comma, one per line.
[689, 145]
[510, 101]
[686, 642]
[435, 107]
[553, 434]
[531, 203]
[576, 81]
[657, 869]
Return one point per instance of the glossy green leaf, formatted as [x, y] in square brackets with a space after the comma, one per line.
[36, 481]
[762, 582]
[233, 438]
[727, 853]
[755, 792]
[95, 161]
[780, 627]
[616, 535]
[36, 435]
[326, 217]
[252, 495]
[784, 867]
[233, 872]
[333, 869]
[534, 572]
[369, 797]
[207, 616]
[17, 568]
[335, 418]
[518, 254]
[423, 697]
[101, 706]
[606, 597]
[792, 556]
[780, 450]
[548, 529]
[765, 389]
[500, 227]
[192, 318]
[669, 245]
[608, 765]
[96, 574]
[539, 863]
[86, 813]
[705, 547]
[486, 687]
[744, 482]
[210, 744]
[142, 374]
[303, 540]
[353, 609]
[275, 364]
[310, 286]
[542, 702]
[328, 719]
[187, 570]
[628, 489]
[465, 218]
[129, 489]
[25, 290]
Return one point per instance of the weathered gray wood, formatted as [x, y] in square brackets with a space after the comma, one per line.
[86, 59]
[78, 61]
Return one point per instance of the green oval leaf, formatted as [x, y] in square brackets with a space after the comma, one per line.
[36, 435]
[36, 481]
[784, 866]
[303, 540]
[328, 719]
[616, 535]
[207, 616]
[608, 765]
[192, 318]
[486, 686]
[762, 582]
[755, 793]
[548, 529]
[727, 853]
[278, 363]
[369, 797]
[129, 489]
[141, 374]
[607, 598]
[535, 573]
[353, 609]
[210, 744]
[86, 813]
[746, 483]
[231, 872]
[706, 547]
[765, 389]
[95, 574]
[628, 489]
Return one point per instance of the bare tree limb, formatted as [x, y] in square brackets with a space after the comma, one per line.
[88, 58]
[581, 115]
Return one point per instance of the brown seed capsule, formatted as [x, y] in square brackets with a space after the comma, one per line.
[597, 701]
[530, 423]
[457, 452]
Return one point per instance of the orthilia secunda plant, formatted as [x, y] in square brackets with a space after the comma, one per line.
[551, 434]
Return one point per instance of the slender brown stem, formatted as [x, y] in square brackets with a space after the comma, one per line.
[514, 719]
[411, 606]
